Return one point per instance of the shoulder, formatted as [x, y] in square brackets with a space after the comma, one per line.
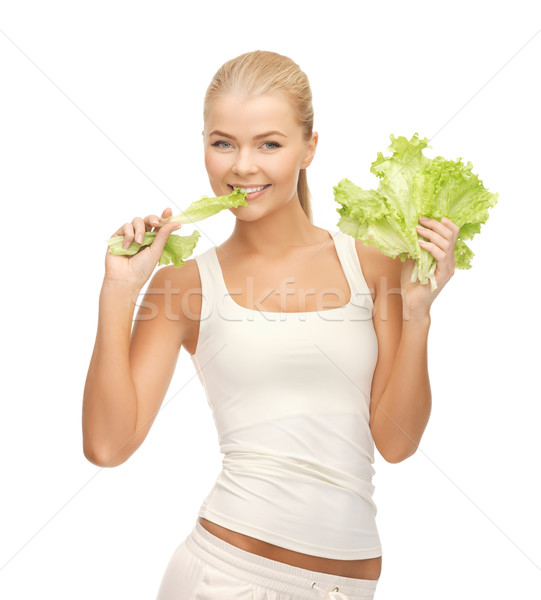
[379, 270]
[182, 285]
[179, 277]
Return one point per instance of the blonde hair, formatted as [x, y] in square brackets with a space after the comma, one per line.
[263, 72]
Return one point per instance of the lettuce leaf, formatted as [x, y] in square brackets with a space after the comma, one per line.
[412, 185]
[206, 207]
[178, 247]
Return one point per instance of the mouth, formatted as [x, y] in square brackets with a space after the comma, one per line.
[253, 191]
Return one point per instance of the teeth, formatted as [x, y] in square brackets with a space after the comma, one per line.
[254, 189]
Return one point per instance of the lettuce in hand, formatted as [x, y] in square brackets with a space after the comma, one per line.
[412, 185]
[180, 247]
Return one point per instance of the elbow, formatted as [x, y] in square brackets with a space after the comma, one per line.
[395, 449]
[397, 455]
[395, 458]
[103, 451]
[91, 450]
[93, 456]
[100, 458]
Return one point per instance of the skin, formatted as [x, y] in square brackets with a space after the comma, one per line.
[273, 238]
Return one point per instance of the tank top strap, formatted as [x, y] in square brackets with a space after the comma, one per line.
[347, 253]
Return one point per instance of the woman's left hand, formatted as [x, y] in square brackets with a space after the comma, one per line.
[442, 236]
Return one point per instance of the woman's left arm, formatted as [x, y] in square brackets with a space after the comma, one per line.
[401, 396]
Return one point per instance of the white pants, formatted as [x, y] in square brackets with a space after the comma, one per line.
[204, 567]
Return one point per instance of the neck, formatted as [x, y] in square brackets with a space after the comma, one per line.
[276, 233]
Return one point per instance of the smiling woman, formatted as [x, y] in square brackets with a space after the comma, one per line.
[258, 136]
[296, 395]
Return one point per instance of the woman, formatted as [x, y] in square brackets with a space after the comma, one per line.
[312, 348]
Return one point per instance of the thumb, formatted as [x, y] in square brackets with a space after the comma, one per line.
[162, 236]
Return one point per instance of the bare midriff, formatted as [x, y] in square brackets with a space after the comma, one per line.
[366, 568]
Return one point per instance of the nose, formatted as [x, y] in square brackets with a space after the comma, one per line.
[244, 163]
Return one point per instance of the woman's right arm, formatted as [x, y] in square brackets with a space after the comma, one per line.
[127, 372]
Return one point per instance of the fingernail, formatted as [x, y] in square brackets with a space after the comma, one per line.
[126, 245]
[139, 238]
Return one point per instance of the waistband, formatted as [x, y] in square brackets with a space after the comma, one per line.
[281, 577]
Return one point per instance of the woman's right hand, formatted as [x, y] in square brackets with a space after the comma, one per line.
[134, 271]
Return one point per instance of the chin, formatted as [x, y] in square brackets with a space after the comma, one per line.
[243, 215]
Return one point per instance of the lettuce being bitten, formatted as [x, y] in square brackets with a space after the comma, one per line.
[178, 247]
[412, 185]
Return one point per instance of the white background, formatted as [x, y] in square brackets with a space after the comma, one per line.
[100, 121]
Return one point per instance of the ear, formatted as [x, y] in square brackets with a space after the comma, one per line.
[310, 150]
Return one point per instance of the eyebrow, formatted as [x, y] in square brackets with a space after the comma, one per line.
[256, 137]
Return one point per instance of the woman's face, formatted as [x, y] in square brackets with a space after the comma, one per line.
[241, 151]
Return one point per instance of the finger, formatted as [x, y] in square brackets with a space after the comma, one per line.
[139, 228]
[152, 221]
[166, 214]
[128, 233]
[160, 240]
[442, 228]
[435, 250]
[453, 226]
[442, 242]
[119, 231]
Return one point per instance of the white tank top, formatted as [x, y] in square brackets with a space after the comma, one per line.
[290, 397]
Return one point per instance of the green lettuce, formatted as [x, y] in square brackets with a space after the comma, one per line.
[412, 185]
[178, 247]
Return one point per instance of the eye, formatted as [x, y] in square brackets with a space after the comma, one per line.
[272, 145]
[218, 143]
